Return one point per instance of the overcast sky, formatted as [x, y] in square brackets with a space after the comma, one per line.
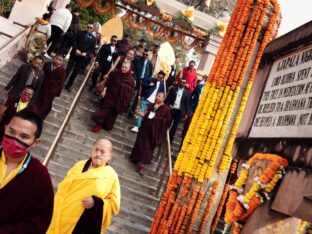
[295, 13]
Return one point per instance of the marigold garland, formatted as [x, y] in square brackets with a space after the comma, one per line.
[209, 204]
[240, 206]
[203, 145]
[303, 225]
[226, 189]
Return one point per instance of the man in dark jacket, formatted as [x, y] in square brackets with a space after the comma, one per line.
[194, 99]
[178, 100]
[143, 69]
[150, 88]
[83, 50]
[173, 73]
[104, 59]
[27, 74]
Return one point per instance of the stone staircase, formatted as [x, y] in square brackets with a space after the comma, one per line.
[138, 200]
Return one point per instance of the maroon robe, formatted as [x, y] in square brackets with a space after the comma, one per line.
[117, 98]
[11, 105]
[26, 202]
[52, 87]
[152, 133]
[121, 61]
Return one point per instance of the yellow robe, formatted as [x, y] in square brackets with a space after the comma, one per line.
[101, 182]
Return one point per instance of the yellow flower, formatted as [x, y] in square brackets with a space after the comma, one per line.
[149, 2]
[189, 13]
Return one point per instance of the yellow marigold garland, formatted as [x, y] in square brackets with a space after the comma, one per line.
[240, 206]
[198, 157]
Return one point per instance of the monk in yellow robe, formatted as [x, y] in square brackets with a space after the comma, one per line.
[88, 196]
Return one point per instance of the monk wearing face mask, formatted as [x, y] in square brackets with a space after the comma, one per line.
[26, 192]
[16, 104]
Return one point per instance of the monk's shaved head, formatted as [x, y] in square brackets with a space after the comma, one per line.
[101, 153]
[106, 142]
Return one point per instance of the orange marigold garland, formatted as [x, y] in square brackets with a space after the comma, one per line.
[239, 205]
[209, 204]
[224, 196]
[199, 155]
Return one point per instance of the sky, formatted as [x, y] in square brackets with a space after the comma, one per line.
[294, 13]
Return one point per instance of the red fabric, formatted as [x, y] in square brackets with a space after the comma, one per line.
[26, 202]
[152, 133]
[119, 92]
[52, 87]
[191, 78]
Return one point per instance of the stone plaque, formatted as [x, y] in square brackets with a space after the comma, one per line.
[285, 108]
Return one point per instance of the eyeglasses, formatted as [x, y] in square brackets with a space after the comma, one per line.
[89, 27]
[145, 54]
[112, 40]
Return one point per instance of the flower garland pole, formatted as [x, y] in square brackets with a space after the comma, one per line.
[194, 190]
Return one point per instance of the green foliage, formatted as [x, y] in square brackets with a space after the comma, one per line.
[183, 18]
[88, 15]
[6, 7]
[218, 6]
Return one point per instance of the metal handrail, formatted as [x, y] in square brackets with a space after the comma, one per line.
[169, 160]
[13, 38]
[168, 140]
[66, 120]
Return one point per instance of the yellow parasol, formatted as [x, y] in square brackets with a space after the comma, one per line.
[166, 57]
[112, 27]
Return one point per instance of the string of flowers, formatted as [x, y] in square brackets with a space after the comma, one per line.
[303, 225]
[241, 205]
[224, 195]
[198, 157]
[209, 204]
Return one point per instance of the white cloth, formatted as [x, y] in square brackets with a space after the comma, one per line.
[62, 19]
[177, 102]
[112, 48]
[152, 97]
[44, 29]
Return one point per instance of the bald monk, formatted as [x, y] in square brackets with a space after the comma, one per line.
[117, 96]
[88, 196]
[152, 133]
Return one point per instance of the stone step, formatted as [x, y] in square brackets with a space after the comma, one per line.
[70, 146]
[138, 200]
[61, 170]
[141, 207]
[124, 226]
[134, 216]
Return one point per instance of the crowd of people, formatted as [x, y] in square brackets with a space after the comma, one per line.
[127, 78]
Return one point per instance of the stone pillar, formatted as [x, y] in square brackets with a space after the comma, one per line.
[209, 54]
